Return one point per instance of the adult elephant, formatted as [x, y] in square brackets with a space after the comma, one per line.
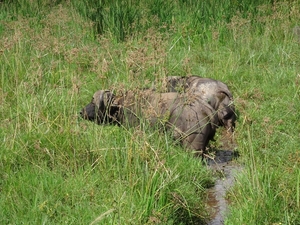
[213, 92]
[191, 120]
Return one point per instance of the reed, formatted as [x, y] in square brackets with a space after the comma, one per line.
[56, 168]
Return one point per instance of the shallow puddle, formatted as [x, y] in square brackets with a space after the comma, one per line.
[225, 169]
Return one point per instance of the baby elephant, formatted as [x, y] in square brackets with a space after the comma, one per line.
[214, 92]
[190, 119]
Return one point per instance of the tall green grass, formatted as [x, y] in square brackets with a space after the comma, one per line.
[56, 168]
[123, 19]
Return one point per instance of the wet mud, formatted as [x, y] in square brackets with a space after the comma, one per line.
[224, 168]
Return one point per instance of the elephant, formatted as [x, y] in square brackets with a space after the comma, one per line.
[213, 92]
[191, 120]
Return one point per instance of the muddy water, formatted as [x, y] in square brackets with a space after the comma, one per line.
[225, 169]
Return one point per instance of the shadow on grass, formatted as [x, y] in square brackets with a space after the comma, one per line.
[183, 216]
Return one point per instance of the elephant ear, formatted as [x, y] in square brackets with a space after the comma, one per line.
[107, 99]
[228, 116]
[217, 100]
[227, 112]
[102, 99]
[226, 107]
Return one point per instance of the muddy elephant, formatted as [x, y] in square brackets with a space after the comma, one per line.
[213, 92]
[191, 120]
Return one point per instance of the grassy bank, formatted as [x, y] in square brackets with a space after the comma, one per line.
[56, 168]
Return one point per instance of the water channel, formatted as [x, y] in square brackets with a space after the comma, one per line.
[225, 168]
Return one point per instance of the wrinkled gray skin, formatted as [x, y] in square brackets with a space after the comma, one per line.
[192, 121]
[214, 92]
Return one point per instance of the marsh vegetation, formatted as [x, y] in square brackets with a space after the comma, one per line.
[56, 168]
